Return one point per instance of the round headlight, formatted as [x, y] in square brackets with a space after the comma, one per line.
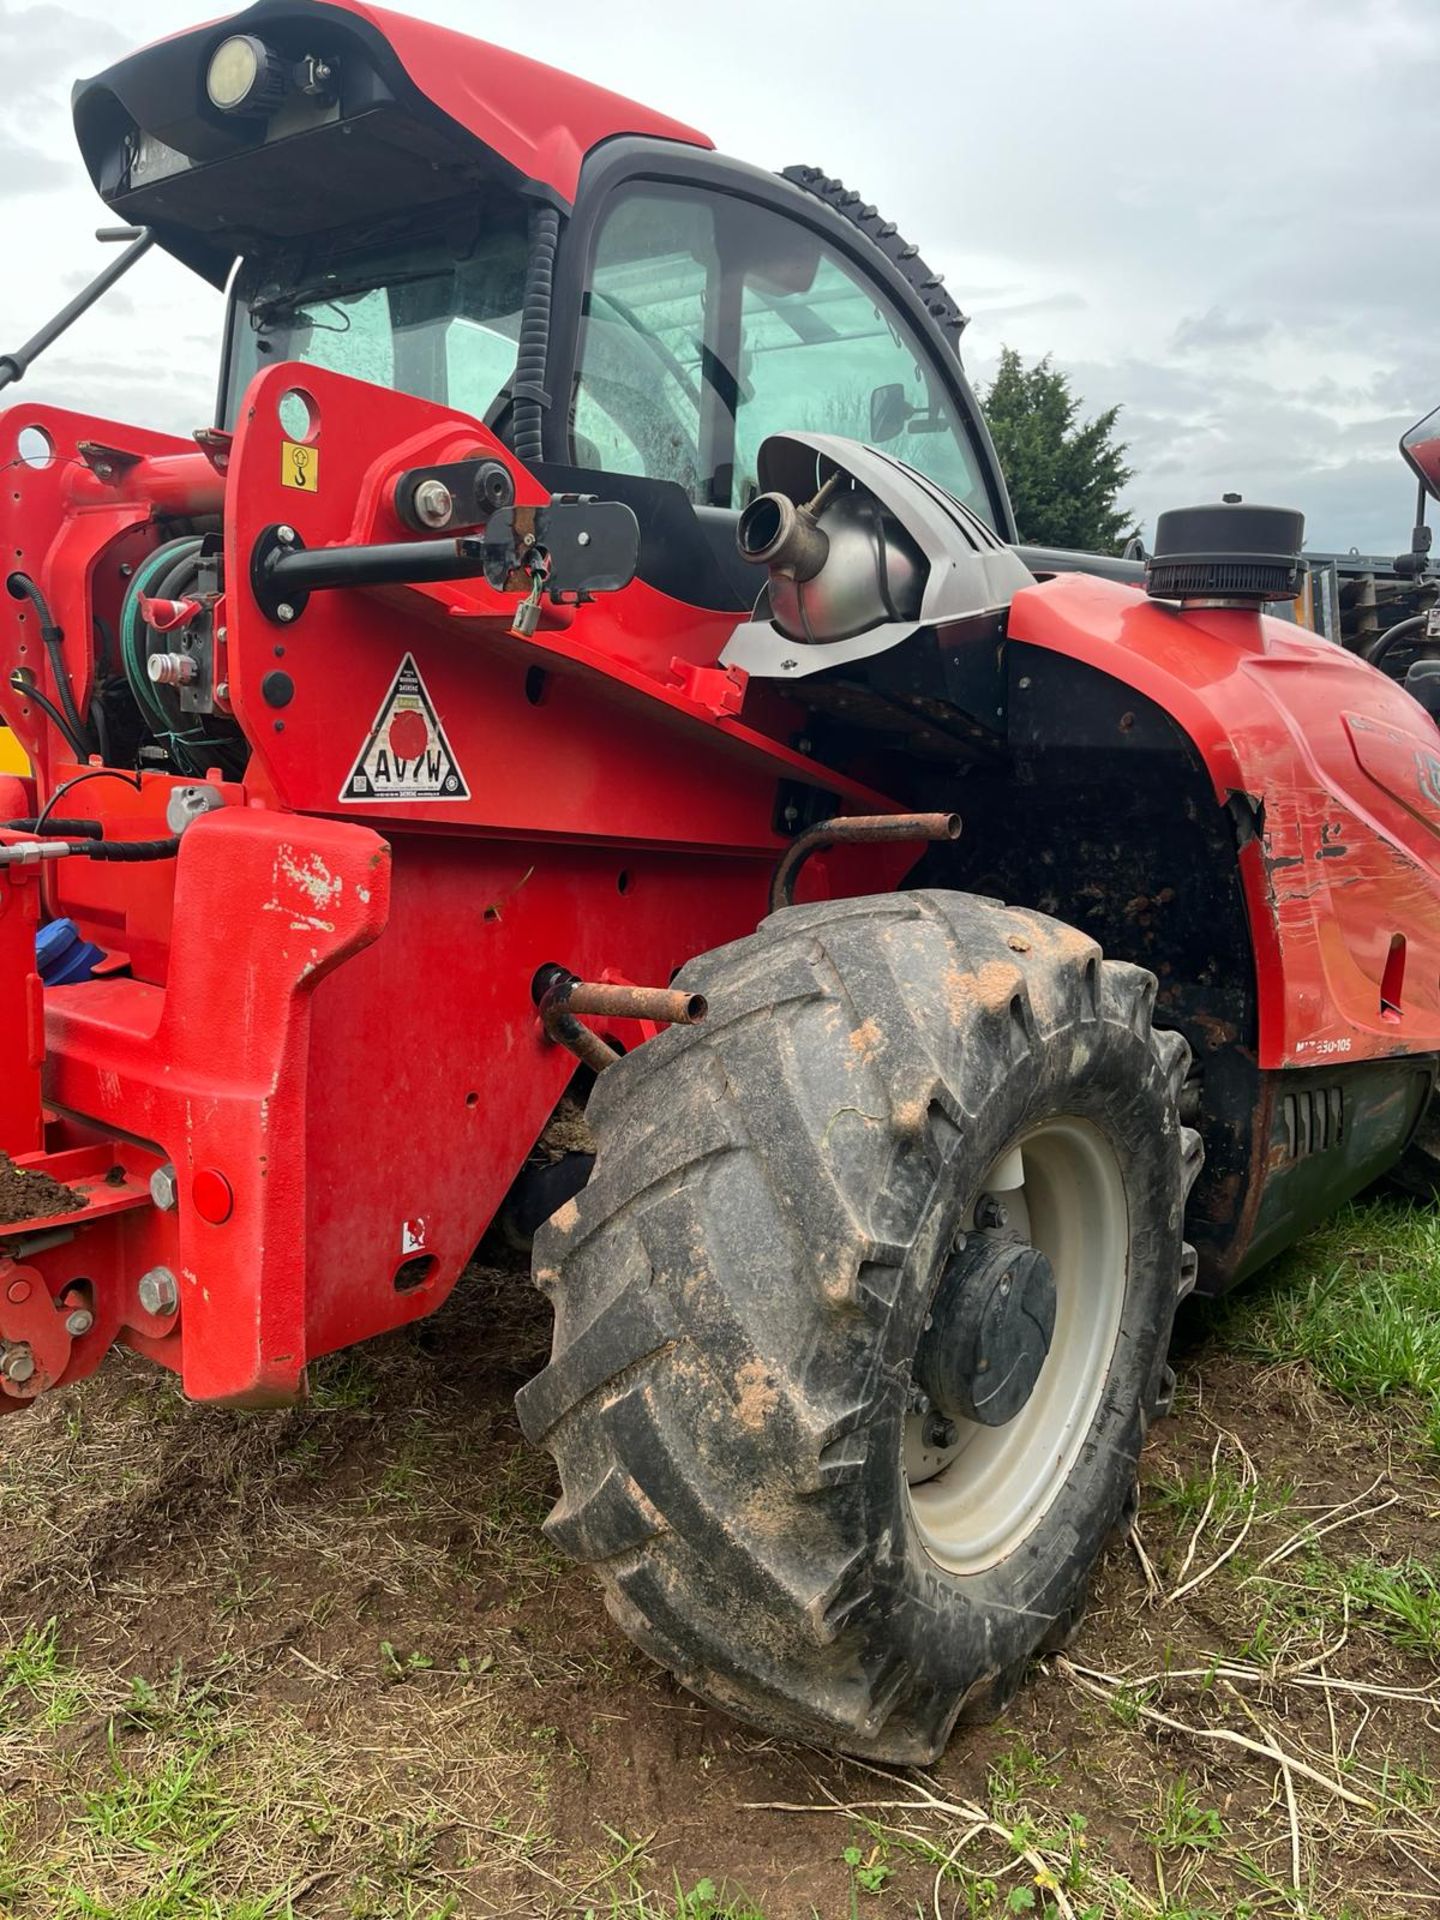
[244, 76]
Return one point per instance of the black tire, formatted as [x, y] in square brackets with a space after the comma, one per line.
[740, 1290]
[1416, 1173]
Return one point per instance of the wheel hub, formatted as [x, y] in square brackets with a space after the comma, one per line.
[989, 1331]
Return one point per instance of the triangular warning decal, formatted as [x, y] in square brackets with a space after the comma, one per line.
[407, 756]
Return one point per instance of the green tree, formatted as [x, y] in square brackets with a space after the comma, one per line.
[1064, 475]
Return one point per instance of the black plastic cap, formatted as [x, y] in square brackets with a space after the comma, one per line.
[1227, 551]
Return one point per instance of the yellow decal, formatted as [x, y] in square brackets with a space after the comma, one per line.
[12, 760]
[299, 466]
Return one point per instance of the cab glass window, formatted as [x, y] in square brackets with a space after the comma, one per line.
[640, 402]
[711, 322]
[414, 316]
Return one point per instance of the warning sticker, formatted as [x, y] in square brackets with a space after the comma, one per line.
[407, 756]
[299, 466]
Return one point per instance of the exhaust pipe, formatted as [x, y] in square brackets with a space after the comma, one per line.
[775, 533]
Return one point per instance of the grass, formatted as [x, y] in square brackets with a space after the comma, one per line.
[1359, 1305]
[324, 1665]
[36, 1681]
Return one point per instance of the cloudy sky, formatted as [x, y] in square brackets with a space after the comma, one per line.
[1219, 213]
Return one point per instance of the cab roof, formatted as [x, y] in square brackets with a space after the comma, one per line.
[421, 113]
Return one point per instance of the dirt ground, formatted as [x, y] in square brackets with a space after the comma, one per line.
[28, 1196]
[324, 1663]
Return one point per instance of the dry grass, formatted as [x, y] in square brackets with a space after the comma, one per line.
[324, 1664]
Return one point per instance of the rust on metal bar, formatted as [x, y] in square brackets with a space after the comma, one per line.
[566, 997]
[638, 1003]
[856, 829]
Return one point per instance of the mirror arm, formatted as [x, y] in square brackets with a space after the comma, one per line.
[1416, 562]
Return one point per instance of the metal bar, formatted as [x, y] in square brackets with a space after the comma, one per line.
[403, 563]
[14, 366]
[566, 1031]
[856, 829]
[562, 997]
[638, 1003]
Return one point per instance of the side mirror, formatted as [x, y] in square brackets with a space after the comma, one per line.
[890, 412]
[1421, 448]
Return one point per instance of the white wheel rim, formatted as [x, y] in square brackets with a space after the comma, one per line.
[974, 1503]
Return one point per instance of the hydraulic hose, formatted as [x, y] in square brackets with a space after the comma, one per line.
[59, 829]
[169, 573]
[52, 713]
[533, 350]
[21, 587]
[1400, 631]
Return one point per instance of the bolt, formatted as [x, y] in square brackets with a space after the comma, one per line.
[79, 1322]
[990, 1214]
[788, 666]
[158, 1293]
[582, 539]
[285, 613]
[18, 1292]
[222, 633]
[165, 1188]
[286, 536]
[222, 692]
[434, 503]
[17, 1364]
[918, 1400]
[940, 1432]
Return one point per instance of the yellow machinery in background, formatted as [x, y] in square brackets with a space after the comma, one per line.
[12, 760]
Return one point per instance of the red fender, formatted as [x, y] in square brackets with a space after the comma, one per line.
[1342, 875]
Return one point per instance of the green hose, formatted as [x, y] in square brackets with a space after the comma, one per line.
[135, 642]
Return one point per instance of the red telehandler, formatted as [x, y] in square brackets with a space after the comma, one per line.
[587, 654]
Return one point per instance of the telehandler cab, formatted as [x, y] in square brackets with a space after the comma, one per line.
[587, 651]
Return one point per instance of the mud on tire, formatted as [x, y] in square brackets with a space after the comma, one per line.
[740, 1290]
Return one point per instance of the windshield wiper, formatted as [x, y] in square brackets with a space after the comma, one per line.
[14, 366]
[286, 305]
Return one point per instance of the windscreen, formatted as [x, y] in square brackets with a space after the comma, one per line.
[415, 318]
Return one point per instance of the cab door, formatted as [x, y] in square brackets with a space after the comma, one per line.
[702, 305]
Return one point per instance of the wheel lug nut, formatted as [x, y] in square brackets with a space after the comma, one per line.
[940, 1432]
[990, 1214]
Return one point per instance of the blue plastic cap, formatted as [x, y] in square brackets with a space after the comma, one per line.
[62, 958]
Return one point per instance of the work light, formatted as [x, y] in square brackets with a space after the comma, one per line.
[244, 76]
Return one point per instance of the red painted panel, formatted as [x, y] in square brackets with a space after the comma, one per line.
[1346, 857]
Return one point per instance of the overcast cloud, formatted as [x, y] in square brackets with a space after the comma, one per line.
[1218, 213]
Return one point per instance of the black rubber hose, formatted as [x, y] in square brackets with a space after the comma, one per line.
[21, 587]
[1400, 631]
[533, 350]
[52, 713]
[132, 780]
[57, 829]
[130, 849]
